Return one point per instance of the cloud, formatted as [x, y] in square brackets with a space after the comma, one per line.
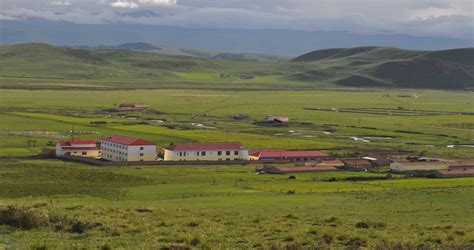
[449, 18]
[61, 2]
[137, 3]
[124, 4]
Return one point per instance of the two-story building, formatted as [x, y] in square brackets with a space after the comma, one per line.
[82, 148]
[206, 151]
[126, 148]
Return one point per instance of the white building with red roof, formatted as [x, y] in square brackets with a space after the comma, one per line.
[126, 148]
[206, 151]
[83, 148]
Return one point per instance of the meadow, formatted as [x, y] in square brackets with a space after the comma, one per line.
[50, 204]
[229, 207]
[206, 115]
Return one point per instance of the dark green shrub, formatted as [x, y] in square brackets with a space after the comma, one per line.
[21, 218]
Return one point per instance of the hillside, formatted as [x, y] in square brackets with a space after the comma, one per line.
[384, 66]
[201, 53]
[136, 66]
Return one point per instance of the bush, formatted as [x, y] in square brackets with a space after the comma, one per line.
[21, 218]
[362, 225]
[80, 227]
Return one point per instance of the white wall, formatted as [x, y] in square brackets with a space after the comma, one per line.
[210, 155]
[118, 152]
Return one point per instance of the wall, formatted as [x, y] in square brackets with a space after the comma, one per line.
[118, 152]
[210, 155]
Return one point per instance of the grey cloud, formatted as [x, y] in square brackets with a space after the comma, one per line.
[450, 18]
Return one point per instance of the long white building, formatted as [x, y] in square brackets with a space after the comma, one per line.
[206, 151]
[126, 148]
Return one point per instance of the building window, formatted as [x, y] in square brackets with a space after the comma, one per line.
[219, 152]
[227, 152]
[203, 153]
[141, 154]
[141, 148]
[197, 153]
[236, 152]
[84, 153]
[180, 153]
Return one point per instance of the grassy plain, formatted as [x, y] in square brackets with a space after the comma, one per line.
[78, 206]
[205, 115]
[230, 207]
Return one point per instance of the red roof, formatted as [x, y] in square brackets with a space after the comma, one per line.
[357, 162]
[456, 171]
[461, 164]
[80, 148]
[76, 143]
[289, 154]
[127, 140]
[306, 169]
[206, 146]
[334, 163]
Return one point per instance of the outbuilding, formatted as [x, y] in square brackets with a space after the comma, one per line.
[417, 166]
[454, 173]
[275, 155]
[82, 148]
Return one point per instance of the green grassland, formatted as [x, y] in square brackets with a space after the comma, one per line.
[43, 66]
[230, 207]
[47, 91]
[28, 115]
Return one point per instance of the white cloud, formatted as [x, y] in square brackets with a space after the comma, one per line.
[138, 3]
[61, 2]
[124, 4]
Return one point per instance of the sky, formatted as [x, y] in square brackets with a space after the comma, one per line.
[444, 18]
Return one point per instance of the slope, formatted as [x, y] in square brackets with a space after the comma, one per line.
[385, 66]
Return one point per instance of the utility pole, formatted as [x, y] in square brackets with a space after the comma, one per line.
[73, 132]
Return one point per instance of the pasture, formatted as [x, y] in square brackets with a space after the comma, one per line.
[227, 206]
[431, 123]
[71, 205]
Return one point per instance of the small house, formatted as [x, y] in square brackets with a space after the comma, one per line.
[461, 165]
[298, 169]
[275, 155]
[82, 148]
[418, 166]
[357, 164]
[277, 119]
[454, 173]
[132, 106]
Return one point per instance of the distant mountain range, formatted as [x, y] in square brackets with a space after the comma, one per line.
[201, 53]
[138, 62]
[274, 42]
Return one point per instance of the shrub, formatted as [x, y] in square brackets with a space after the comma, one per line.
[21, 218]
[361, 224]
[80, 227]
[194, 242]
[193, 224]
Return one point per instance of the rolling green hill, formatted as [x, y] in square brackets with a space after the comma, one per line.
[135, 67]
[200, 53]
[383, 66]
